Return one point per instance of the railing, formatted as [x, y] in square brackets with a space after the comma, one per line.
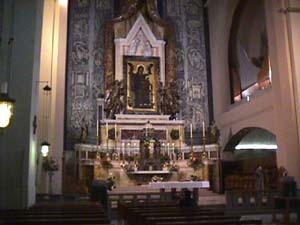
[249, 199]
[114, 198]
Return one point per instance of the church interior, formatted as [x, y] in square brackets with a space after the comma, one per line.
[152, 100]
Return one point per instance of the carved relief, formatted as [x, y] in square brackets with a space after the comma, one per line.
[140, 45]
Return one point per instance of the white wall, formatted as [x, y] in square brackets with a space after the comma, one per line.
[18, 144]
[273, 109]
[53, 71]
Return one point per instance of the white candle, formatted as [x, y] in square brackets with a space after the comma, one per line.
[97, 126]
[203, 128]
[115, 131]
[191, 129]
[107, 130]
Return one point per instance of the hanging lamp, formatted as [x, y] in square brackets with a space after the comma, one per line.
[6, 107]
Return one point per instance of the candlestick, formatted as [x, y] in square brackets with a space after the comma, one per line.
[97, 126]
[97, 135]
[106, 130]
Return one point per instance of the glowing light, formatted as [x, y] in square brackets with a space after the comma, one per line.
[256, 146]
[248, 98]
[45, 149]
[63, 3]
[5, 113]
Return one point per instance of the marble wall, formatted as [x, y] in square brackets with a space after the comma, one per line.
[85, 63]
[187, 18]
[85, 67]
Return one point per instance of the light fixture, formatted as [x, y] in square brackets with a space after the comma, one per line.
[63, 3]
[45, 148]
[256, 146]
[6, 107]
[6, 102]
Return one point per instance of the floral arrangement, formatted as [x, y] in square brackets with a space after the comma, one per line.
[106, 164]
[194, 177]
[156, 178]
[111, 181]
[174, 134]
[196, 163]
[50, 165]
[173, 168]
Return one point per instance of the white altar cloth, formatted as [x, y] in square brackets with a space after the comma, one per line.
[149, 172]
[179, 185]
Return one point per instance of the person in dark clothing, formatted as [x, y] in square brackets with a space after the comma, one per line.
[99, 192]
[187, 200]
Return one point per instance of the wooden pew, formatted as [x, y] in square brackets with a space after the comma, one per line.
[56, 214]
[171, 214]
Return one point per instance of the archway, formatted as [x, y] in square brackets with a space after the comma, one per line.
[251, 147]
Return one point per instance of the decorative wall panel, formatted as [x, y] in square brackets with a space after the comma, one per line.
[85, 68]
[187, 18]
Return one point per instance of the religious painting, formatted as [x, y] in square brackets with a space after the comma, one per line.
[141, 75]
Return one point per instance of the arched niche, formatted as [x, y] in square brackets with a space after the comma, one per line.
[141, 37]
[249, 65]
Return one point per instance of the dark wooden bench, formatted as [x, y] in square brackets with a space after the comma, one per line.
[55, 214]
[171, 219]
[212, 222]
[172, 214]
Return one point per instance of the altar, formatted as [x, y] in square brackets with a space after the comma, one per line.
[139, 134]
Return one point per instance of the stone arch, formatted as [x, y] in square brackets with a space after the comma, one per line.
[252, 138]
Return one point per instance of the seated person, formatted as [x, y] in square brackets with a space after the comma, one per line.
[187, 200]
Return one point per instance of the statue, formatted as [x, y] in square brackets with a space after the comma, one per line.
[169, 97]
[213, 133]
[147, 50]
[136, 44]
[84, 130]
[114, 99]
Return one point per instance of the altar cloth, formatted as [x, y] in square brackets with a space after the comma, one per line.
[179, 184]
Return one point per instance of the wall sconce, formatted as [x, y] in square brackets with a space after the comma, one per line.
[45, 148]
[6, 107]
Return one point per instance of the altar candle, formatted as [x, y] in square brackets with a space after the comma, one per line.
[203, 128]
[107, 130]
[97, 125]
[167, 134]
[191, 129]
[115, 131]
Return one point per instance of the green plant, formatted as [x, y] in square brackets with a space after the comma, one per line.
[174, 134]
[110, 182]
[195, 163]
[194, 177]
[106, 164]
[174, 168]
[50, 165]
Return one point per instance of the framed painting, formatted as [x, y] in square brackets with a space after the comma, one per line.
[141, 76]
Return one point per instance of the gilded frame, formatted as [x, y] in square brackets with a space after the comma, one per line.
[142, 76]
